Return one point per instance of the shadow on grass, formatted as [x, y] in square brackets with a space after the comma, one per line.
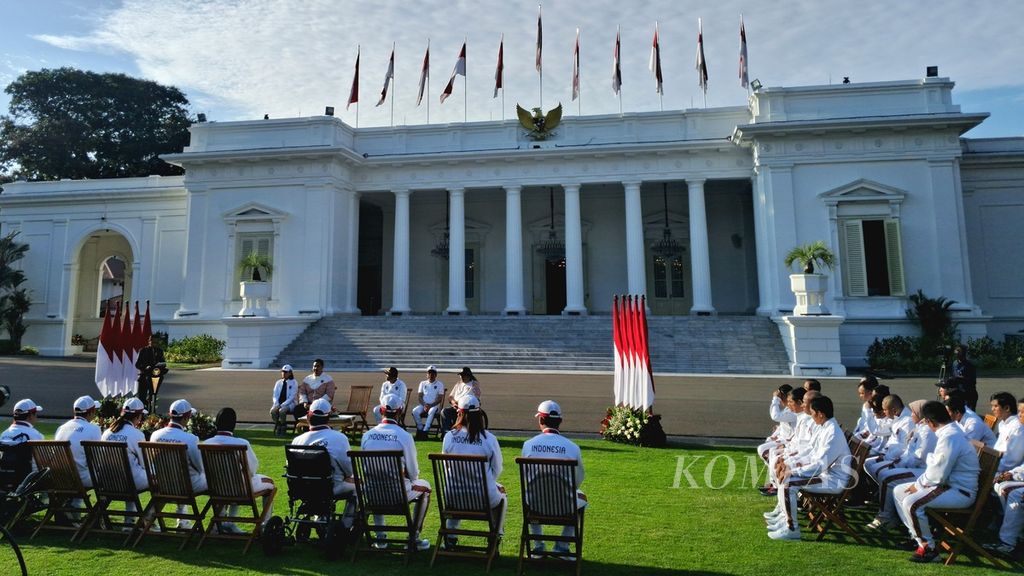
[101, 551]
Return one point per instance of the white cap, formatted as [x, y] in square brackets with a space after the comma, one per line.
[181, 407]
[392, 402]
[469, 403]
[134, 405]
[549, 408]
[85, 403]
[26, 406]
[320, 407]
[286, 368]
[432, 368]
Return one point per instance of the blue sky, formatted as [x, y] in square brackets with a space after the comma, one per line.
[240, 59]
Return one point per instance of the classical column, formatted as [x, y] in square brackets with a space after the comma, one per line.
[400, 275]
[352, 276]
[636, 271]
[457, 253]
[513, 251]
[573, 252]
[700, 261]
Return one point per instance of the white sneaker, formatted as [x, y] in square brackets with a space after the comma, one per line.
[775, 518]
[785, 534]
[773, 514]
[882, 524]
[423, 544]
[184, 525]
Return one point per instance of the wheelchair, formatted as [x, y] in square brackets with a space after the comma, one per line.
[14, 505]
[312, 505]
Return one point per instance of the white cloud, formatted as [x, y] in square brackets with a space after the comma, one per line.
[243, 58]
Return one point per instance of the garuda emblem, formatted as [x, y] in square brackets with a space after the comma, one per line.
[539, 126]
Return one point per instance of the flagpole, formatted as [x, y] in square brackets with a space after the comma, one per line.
[393, 89]
[576, 64]
[540, 56]
[465, 86]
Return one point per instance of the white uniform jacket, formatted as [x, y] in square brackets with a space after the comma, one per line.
[337, 446]
[388, 435]
[74, 431]
[954, 463]
[551, 444]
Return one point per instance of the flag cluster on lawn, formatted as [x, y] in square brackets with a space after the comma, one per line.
[634, 379]
[121, 338]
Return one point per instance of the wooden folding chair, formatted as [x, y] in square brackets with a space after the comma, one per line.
[380, 490]
[169, 483]
[405, 408]
[460, 482]
[229, 483]
[112, 481]
[63, 484]
[827, 509]
[434, 428]
[549, 499]
[958, 524]
[991, 422]
[358, 404]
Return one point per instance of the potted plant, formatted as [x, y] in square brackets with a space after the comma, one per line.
[77, 344]
[809, 287]
[255, 292]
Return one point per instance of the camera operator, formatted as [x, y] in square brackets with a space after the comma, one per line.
[964, 369]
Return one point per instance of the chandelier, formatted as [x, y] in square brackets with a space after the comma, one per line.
[552, 249]
[667, 248]
[440, 250]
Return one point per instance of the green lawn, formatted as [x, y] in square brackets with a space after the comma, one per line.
[637, 523]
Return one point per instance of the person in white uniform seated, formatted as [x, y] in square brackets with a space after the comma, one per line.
[469, 437]
[906, 467]
[389, 435]
[950, 480]
[127, 429]
[1009, 487]
[22, 429]
[1010, 439]
[180, 412]
[284, 399]
[551, 444]
[973, 425]
[391, 385]
[81, 428]
[430, 394]
[262, 486]
[321, 434]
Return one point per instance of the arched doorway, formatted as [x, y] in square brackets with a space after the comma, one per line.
[104, 279]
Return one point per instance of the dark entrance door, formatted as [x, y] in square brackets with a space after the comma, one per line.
[554, 275]
[371, 252]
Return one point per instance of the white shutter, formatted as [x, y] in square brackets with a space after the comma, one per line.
[263, 246]
[854, 271]
[894, 258]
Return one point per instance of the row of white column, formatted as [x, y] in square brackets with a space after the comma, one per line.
[636, 271]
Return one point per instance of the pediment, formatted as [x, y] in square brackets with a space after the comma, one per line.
[254, 211]
[864, 190]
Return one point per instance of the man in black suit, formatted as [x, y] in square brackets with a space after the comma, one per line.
[150, 365]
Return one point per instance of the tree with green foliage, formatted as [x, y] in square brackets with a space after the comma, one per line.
[14, 300]
[69, 123]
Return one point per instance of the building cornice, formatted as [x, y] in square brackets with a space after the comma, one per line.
[746, 133]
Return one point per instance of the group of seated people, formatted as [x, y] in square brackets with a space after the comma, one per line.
[291, 397]
[468, 435]
[126, 429]
[920, 456]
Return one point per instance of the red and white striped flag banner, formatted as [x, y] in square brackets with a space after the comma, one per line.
[634, 377]
[616, 67]
[127, 353]
[744, 77]
[424, 75]
[104, 355]
[540, 43]
[460, 70]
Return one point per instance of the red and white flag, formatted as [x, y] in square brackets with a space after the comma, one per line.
[499, 72]
[114, 375]
[388, 78]
[576, 67]
[616, 68]
[634, 380]
[744, 77]
[702, 64]
[460, 70]
[540, 36]
[104, 356]
[655, 63]
[617, 350]
[127, 353]
[138, 343]
[646, 385]
[424, 74]
[353, 94]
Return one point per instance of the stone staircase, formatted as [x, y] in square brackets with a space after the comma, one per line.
[679, 344]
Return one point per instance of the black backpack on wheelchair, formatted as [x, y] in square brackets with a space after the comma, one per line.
[312, 505]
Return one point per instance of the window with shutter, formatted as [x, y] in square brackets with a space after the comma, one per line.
[894, 258]
[262, 244]
[853, 266]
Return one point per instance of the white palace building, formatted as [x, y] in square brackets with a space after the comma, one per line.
[695, 208]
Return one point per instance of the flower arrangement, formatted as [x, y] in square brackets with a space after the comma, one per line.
[632, 426]
[200, 424]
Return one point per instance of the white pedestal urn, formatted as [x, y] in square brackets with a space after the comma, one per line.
[254, 298]
[809, 290]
